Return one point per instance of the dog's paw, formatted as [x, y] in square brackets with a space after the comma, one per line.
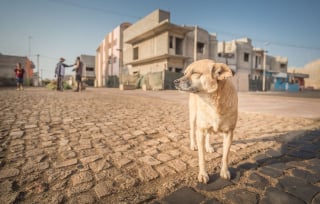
[203, 178]
[225, 174]
[209, 148]
[193, 147]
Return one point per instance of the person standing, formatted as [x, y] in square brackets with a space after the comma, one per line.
[78, 69]
[59, 73]
[19, 76]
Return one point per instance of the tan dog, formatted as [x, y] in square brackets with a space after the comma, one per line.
[213, 107]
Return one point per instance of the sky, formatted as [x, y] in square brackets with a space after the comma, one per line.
[69, 28]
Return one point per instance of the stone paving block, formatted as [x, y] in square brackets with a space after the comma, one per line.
[6, 186]
[121, 161]
[242, 196]
[125, 181]
[34, 152]
[184, 195]
[7, 173]
[212, 201]
[149, 160]
[16, 134]
[147, 173]
[164, 157]
[66, 163]
[299, 188]
[274, 153]
[99, 165]
[215, 183]
[138, 133]
[83, 187]
[258, 181]
[16, 142]
[316, 199]
[81, 177]
[274, 173]
[90, 159]
[85, 198]
[275, 196]
[306, 175]
[177, 165]
[151, 151]
[165, 170]
[11, 197]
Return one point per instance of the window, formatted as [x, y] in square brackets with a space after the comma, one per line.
[283, 65]
[136, 53]
[89, 68]
[171, 42]
[200, 47]
[179, 46]
[246, 57]
[178, 70]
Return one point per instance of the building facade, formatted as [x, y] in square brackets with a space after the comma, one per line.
[155, 49]
[88, 69]
[250, 64]
[7, 66]
[152, 52]
[108, 61]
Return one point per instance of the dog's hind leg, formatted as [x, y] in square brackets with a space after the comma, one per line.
[227, 140]
[192, 120]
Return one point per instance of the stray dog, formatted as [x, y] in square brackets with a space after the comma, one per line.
[213, 108]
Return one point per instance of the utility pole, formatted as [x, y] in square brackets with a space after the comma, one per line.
[264, 70]
[38, 69]
[29, 56]
[195, 43]
[264, 66]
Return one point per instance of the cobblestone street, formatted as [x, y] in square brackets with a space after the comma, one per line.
[112, 146]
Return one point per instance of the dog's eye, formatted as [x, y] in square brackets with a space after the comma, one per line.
[196, 75]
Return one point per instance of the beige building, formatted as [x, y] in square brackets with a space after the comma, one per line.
[109, 62]
[152, 52]
[7, 66]
[248, 62]
[155, 49]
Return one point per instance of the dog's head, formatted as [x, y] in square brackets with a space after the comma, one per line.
[203, 76]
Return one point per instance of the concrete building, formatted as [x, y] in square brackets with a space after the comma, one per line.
[155, 49]
[88, 69]
[7, 66]
[109, 62]
[152, 52]
[248, 63]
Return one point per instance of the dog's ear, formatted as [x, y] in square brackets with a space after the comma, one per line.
[220, 71]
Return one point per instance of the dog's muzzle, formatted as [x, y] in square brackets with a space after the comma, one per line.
[183, 85]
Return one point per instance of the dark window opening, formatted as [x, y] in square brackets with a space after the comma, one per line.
[90, 68]
[200, 47]
[179, 43]
[136, 53]
[246, 57]
[171, 42]
[178, 70]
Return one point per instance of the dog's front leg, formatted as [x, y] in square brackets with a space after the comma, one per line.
[192, 120]
[203, 175]
[227, 140]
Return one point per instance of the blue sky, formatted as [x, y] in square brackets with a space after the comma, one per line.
[68, 28]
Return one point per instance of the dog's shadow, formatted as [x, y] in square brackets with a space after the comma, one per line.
[216, 182]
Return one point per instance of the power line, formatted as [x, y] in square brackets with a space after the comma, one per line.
[105, 11]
